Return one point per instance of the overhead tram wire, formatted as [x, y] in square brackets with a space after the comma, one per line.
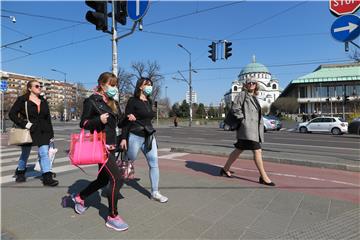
[257, 23]
[310, 62]
[194, 13]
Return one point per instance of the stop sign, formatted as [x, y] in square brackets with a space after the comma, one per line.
[343, 7]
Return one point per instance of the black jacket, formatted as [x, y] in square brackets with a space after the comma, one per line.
[94, 106]
[41, 131]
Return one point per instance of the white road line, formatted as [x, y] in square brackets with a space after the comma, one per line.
[173, 155]
[12, 153]
[57, 160]
[309, 146]
[281, 174]
[9, 149]
[311, 140]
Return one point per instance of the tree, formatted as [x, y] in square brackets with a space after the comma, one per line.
[175, 110]
[127, 80]
[212, 112]
[184, 109]
[201, 111]
[285, 104]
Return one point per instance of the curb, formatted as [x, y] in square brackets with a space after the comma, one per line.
[337, 166]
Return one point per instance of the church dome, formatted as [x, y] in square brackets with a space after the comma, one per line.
[254, 67]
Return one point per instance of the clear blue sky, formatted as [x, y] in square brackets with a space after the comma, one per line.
[278, 33]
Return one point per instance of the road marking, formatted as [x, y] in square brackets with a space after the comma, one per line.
[173, 155]
[9, 149]
[12, 167]
[310, 140]
[280, 174]
[15, 159]
[309, 146]
[13, 153]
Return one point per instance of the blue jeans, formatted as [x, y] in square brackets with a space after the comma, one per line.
[136, 143]
[43, 153]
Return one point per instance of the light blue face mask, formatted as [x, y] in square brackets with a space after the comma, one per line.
[148, 90]
[112, 92]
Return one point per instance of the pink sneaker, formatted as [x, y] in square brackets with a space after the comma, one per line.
[116, 223]
[79, 204]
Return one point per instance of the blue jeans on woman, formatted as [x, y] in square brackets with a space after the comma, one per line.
[43, 154]
[136, 143]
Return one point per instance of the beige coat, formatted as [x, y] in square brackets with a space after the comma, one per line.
[246, 110]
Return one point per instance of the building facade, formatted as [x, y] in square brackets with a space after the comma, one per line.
[269, 89]
[56, 92]
[331, 89]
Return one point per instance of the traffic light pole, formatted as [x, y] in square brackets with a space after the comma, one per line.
[114, 42]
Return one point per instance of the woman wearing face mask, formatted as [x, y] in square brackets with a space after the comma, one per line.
[102, 113]
[139, 133]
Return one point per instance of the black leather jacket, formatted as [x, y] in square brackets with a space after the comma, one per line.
[94, 106]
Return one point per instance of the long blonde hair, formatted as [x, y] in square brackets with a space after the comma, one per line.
[104, 78]
[256, 90]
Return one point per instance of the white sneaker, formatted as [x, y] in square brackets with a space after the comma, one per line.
[158, 197]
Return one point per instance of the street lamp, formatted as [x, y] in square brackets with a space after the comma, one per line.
[64, 91]
[190, 83]
[12, 18]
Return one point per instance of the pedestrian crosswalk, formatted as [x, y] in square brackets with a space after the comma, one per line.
[9, 157]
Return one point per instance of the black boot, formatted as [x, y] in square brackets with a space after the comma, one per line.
[20, 175]
[48, 179]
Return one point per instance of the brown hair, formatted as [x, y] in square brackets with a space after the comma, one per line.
[256, 91]
[104, 78]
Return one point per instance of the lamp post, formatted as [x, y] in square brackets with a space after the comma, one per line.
[190, 84]
[64, 91]
[12, 18]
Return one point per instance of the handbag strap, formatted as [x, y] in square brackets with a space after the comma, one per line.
[26, 111]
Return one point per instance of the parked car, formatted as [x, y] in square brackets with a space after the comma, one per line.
[277, 121]
[354, 126]
[333, 125]
[269, 124]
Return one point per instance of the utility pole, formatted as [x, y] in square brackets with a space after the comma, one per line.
[114, 42]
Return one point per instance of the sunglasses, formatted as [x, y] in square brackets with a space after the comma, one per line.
[251, 83]
[37, 86]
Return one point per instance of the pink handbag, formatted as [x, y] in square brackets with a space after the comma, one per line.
[87, 148]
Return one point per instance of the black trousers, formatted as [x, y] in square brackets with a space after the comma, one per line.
[109, 173]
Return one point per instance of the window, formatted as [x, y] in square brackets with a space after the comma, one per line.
[235, 88]
[316, 120]
[327, 120]
[274, 86]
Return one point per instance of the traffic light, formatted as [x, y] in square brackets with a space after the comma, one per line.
[212, 51]
[346, 99]
[120, 12]
[227, 49]
[155, 104]
[99, 17]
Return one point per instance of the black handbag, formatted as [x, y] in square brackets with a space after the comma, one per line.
[232, 121]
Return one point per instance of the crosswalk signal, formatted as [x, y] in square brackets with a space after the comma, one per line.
[227, 49]
[212, 51]
[120, 12]
[99, 17]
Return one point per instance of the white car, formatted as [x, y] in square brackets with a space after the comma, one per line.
[269, 124]
[324, 124]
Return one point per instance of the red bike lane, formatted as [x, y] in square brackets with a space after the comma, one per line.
[329, 183]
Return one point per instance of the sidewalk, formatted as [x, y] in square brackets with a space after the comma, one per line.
[307, 203]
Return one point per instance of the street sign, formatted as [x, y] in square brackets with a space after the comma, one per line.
[3, 86]
[343, 7]
[137, 9]
[346, 28]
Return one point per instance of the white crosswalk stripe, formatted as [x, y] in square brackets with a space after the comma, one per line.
[11, 154]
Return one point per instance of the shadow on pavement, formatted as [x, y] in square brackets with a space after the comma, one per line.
[135, 185]
[211, 170]
[93, 200]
